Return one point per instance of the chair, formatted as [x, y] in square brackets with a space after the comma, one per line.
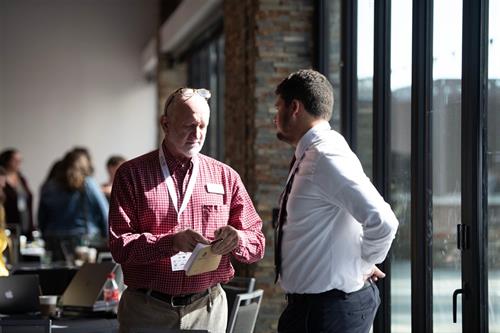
[8, 325]
[247, 284]
[244, 312]
[238, 285]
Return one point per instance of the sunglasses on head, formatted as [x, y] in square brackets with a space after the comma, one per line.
[187, 93]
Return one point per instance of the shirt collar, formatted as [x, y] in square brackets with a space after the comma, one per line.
[311, 136]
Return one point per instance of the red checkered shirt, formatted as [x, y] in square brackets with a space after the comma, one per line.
[142, 221]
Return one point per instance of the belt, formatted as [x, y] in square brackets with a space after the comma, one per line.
[175, 301]
[334, 293]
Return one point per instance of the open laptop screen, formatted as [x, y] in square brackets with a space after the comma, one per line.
[19, 294]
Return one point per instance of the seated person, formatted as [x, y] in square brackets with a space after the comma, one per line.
[72, 211]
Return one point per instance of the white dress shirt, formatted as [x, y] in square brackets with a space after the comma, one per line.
[338, 225]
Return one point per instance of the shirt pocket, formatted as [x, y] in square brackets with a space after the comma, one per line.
[214, 217]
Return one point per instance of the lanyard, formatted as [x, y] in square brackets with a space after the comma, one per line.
[170, 182]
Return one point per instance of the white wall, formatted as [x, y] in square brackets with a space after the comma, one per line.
[70, 75]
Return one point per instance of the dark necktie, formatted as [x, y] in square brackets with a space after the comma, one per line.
[278, 233]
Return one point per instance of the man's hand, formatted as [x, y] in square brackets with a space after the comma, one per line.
[186, 240]
[227, 239]
[375, 274]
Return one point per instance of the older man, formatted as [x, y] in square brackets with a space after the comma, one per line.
[333, 225]
[162, 205]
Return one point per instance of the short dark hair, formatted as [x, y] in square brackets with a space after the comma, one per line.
[6, 156]
[115, 160]
[312, 89]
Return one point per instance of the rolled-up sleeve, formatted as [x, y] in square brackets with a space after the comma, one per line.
[245, 219]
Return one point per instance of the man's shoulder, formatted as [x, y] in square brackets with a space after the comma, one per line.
[146, 158]
[145, 161]
[331, 142]
[213, 163]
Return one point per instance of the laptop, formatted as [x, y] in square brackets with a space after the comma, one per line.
[19, 294]
[84, 291]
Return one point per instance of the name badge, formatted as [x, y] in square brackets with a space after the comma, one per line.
[215, 188]
[179, 261]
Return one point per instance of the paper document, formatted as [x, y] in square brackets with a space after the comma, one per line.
[202, 260]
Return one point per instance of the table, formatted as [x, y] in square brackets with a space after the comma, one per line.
[84, 325]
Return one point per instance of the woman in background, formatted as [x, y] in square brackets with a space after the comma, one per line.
[73, 211]
[18, 197]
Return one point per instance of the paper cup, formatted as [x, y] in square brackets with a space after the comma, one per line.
[48, 305]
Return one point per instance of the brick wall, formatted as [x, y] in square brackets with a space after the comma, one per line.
[264, 41]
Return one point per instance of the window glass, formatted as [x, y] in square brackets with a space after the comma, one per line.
[364, 124]
[493, 165]
[446, 161]
[206, 70]
[334, 58]
[400, 163]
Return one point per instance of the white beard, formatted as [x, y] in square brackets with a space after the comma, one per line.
[195, 149]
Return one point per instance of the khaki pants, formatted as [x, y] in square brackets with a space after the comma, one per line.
[139, 311]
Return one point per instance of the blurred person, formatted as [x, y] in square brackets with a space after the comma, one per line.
[166, 202]
[112, 165]
[4, 239]
[88, 170]
[3, 182]
[72, 211]
[85, 152]
[333, 225]
[54, 170]
[18, 197]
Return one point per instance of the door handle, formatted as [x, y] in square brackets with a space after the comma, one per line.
[455, 295]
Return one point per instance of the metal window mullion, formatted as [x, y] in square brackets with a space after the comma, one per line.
[349, 77]
[421, 176]
[381, 137]
[474, 190]
[322, 37]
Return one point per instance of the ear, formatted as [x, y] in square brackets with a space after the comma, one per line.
[296, 106]
[164, 123]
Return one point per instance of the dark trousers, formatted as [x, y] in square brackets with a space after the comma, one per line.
[331, 312]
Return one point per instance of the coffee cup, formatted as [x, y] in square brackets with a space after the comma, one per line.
[48, 305]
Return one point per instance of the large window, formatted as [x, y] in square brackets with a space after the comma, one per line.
[206, 70]
[436, 177]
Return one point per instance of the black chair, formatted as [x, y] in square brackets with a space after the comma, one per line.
[238, 285]
[244, 313]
